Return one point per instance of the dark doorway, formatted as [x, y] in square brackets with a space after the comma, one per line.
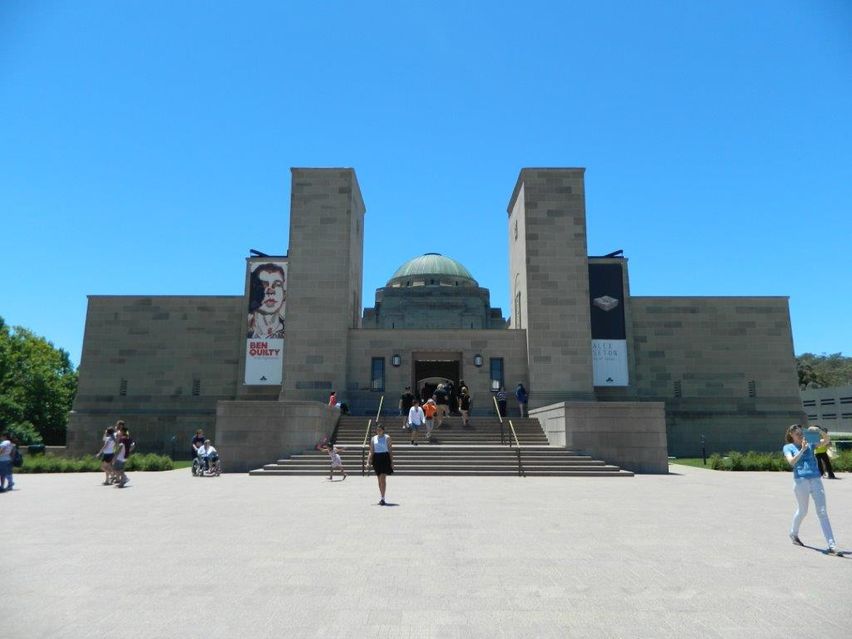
[430, 373]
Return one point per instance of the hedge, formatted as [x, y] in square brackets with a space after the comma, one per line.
[752, 460]
[50, 463]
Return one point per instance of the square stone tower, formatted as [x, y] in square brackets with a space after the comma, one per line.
[549, 282]
[325, 272]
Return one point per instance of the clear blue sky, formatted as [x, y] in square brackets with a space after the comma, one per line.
[145, 146]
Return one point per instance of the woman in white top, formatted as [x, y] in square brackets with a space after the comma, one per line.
[381, 458]
[106, 453]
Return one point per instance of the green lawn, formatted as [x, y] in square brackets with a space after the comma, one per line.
[184, 463]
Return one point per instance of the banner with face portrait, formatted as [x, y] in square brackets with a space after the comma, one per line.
[267, 302]
[609, 337]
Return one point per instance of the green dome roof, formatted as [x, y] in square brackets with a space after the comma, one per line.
[432, 264]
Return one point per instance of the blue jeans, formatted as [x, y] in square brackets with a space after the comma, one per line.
[804, 488]
[6, 473]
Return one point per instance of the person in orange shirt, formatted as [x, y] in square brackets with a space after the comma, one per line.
[429, 409]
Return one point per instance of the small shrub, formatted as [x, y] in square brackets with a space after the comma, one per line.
[737, 460]
[715, 461]
[843, 462]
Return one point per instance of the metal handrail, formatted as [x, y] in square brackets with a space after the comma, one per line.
[499, 416]
[364, 447]
[521, 471]
[379, 412]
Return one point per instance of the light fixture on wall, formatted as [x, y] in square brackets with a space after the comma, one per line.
[477, 360]
[396, 360]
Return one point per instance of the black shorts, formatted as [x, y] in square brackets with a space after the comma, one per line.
[107, 457]
[382, 464]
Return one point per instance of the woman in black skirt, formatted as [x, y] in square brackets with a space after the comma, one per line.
[381, 458]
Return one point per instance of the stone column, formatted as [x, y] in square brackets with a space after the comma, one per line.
[549, 282]
[325, 273]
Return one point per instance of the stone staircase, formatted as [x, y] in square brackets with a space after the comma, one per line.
[453, 450]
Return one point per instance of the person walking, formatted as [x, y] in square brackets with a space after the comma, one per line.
[429, 410]
[106, 454]
[381, 459]
[523, 397]
[416, 420]
[501, 401]
[442, 401]
[821, 453]
[464, 406]
[121, 452]
[7, 449]
[806, 484]
[405, 401]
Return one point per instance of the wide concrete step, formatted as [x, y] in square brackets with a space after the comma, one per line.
[453, 463]
[612, 471]
[455, 450]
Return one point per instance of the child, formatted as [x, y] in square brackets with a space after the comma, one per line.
[334, 457]
[118, 463]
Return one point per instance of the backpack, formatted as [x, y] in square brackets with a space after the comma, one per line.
[17, 458]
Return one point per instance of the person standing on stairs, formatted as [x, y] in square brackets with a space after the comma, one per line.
[523, 397]
[381, 459]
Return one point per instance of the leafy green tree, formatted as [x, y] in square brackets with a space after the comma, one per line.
[822, 371]
[37, 383]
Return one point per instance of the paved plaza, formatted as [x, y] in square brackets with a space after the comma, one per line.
[693, 554]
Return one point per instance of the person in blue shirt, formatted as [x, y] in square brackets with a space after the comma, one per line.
[807, 483]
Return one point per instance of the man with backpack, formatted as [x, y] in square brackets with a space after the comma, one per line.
[406, 400]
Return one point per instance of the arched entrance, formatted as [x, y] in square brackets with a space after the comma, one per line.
[429, 371]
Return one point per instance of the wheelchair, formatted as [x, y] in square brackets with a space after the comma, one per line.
[198, 469]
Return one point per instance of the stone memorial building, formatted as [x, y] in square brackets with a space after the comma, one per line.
[605, 370]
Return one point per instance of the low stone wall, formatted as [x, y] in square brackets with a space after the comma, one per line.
[629, 434]
[253, 433]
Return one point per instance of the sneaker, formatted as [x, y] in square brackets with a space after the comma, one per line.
[796, 541]
[832, 550]
[107, 483]
[381, 502]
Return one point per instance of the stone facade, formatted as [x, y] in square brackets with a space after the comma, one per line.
[161, 363]
[718, 367]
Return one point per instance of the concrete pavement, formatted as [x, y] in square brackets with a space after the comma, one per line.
[692, 554]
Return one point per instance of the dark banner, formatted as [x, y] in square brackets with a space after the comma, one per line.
[609, 336]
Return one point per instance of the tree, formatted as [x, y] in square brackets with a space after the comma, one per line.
[822, 371]
[37, 383]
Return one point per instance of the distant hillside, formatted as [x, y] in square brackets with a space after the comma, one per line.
[822, 371]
